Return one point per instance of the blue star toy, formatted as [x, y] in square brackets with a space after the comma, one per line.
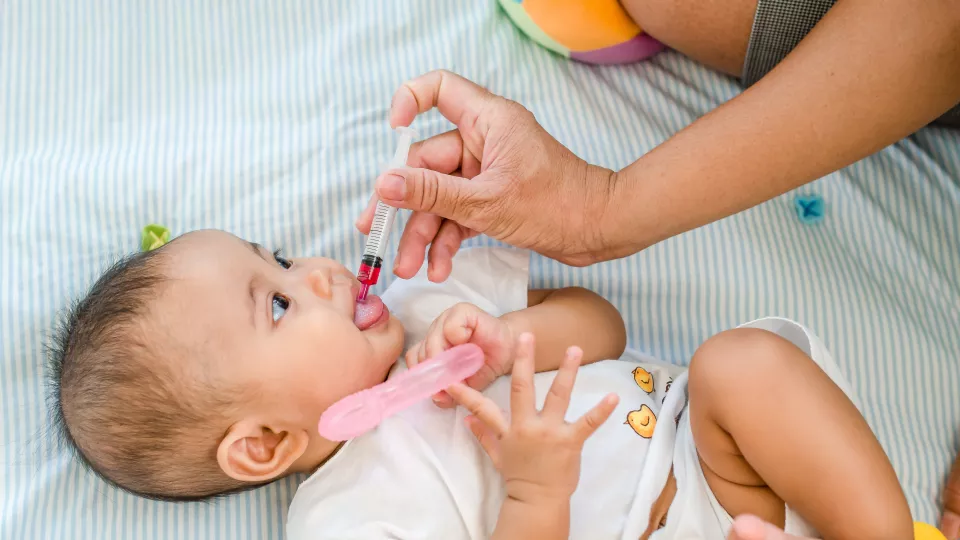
[809, 208]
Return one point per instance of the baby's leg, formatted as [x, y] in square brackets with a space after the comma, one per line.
[771, 427]
[712, 32]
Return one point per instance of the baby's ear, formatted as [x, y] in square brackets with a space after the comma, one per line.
[253, 452]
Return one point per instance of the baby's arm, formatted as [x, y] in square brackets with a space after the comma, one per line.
[558, 319]
[771, 427]
[563, 318]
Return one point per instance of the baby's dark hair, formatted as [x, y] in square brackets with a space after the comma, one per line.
[128, 415]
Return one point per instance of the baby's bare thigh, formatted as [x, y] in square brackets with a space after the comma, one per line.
[713, 32]
[722, 371]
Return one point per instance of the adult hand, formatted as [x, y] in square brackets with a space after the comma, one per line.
[747, 527]
[498, 173]
[950, 521]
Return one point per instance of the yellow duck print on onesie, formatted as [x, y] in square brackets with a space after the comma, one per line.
[642, 420]
[644, 379]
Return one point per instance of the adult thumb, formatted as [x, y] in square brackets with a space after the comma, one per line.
[425, 190]
[950, 521]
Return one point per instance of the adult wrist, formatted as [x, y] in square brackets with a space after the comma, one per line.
[618, 224]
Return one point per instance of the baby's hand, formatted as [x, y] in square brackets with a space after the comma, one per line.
[466, 323]
[538, 453]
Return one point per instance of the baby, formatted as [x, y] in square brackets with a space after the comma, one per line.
[202, 368]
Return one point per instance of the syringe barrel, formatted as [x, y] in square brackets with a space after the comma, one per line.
[380, 230]
[383, 218]
[407, 135]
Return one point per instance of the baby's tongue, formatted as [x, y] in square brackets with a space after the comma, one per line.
[368, 312]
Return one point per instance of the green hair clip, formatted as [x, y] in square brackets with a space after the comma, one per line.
[153, 236]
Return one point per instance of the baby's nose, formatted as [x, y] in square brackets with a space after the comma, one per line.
[321, 282]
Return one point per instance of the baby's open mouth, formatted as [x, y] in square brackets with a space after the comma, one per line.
[370, 312]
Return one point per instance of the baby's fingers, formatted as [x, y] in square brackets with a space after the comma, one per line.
[487, 439]
[558, 398]
[413, 355]
[595, 417]
[522, 394]
[479, 406]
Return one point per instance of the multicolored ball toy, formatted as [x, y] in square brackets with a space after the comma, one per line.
[590, 31]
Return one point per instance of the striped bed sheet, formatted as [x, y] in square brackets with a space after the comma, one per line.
[269, 120]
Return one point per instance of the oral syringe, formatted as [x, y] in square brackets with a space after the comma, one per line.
[379, 236]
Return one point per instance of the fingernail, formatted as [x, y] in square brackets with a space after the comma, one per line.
[396, 262]
[392, 187]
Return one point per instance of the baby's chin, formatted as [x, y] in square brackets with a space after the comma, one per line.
[389, 344]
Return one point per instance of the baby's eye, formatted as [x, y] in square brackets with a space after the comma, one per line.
[280, 306]
[281, 260]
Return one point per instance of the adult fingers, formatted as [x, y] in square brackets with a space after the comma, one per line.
[426, 190]
[365, 220]
[522, 396]
[444, 247]
[950, 522]
[588, 424]
[950, 525]
[480, 406]
[419, 232]
[458, 100]
[442, 153]
[558, 398]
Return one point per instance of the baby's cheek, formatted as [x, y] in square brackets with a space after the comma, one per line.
[390, 344]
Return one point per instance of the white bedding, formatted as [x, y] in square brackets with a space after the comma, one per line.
[268, 119]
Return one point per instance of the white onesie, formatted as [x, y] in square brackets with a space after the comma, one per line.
[422, 475]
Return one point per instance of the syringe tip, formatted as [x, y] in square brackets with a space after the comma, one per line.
[364, 289]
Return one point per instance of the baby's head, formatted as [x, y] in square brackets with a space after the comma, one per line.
[203, 367]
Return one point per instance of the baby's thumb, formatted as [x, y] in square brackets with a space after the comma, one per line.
[424, 190]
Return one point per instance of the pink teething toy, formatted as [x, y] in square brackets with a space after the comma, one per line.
[358, 413]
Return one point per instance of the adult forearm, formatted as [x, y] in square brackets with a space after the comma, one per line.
[870, 73]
